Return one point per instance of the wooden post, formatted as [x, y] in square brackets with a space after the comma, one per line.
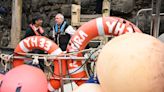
[106, 8]
[106, 13]
[78, 2]
[75, 15]
[16, 22]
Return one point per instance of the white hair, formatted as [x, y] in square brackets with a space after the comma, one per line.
[60, 15]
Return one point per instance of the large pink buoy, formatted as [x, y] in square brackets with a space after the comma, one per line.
[88, 87]
[133, 62]
[24, 78]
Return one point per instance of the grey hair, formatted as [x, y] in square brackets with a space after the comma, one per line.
[61, 15]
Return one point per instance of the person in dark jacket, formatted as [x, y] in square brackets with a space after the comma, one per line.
[61, 32]
[35, 29]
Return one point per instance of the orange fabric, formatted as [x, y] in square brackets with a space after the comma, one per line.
[55, 83]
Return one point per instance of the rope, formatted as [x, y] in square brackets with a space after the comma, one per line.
[6, 57]
[35, 60]
[46, 62]
[5, 60]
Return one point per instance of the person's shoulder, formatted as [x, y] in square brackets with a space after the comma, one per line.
[29, 28]
[67, 24]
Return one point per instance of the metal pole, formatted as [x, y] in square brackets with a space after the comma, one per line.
[61, 75]
[63, 58]
[72, 78]
[152, 19]
[155, 23]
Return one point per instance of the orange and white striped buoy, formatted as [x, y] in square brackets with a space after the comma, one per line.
[97, 27]
[45, 44]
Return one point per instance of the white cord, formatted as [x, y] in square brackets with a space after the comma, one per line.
[35, 60]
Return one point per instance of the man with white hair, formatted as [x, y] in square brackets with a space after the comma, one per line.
[61, 32]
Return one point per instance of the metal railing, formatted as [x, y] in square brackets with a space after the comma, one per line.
[143, 10]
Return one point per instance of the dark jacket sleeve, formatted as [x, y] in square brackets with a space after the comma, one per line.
[50, 34]
[28, 33]
[45, 34]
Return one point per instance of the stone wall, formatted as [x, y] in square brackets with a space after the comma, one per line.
[49, 8]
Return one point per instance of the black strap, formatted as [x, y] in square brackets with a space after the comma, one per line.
[18, 89]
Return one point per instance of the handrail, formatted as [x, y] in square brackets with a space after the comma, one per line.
[142, 10]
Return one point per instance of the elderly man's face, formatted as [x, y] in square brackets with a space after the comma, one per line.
[58, 20]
